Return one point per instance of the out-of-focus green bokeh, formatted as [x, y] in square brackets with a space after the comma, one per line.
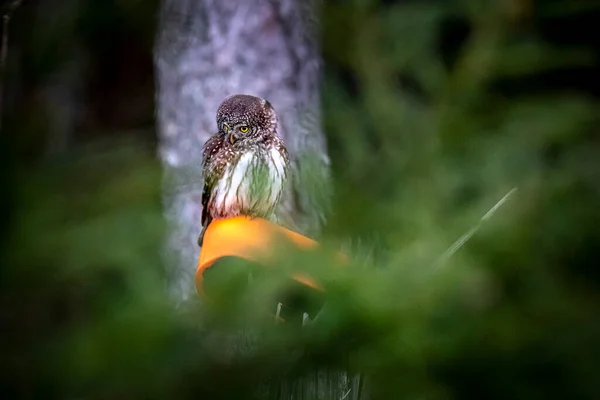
[433, 111]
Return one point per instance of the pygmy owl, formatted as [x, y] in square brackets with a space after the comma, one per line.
[245, 164]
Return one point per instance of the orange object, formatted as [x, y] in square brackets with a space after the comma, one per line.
[248, 238]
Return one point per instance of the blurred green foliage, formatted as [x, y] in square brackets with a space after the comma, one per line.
[425, 137]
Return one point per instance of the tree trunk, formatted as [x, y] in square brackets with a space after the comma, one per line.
[209, 49]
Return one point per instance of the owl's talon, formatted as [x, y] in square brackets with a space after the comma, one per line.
[305, 319]
[278, 319]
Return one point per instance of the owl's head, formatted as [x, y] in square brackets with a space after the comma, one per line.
[245, 117]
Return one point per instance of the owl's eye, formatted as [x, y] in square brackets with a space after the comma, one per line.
[225, 127]
[243, 129]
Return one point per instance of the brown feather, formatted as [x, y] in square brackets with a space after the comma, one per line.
[232, 159]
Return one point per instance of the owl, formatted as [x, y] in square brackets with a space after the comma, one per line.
[245, 164]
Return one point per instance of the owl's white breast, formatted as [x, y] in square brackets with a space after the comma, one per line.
[233, 195]
[276, 173]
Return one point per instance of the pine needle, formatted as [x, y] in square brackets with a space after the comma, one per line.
[464, 238]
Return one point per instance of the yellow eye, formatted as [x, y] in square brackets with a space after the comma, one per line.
[243, 129]
[225, 127]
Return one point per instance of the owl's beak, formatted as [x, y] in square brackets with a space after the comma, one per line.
[231, 138]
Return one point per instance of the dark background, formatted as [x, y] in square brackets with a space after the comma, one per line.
[83, 312]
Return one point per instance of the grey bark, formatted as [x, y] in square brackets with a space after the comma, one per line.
[209, 49]
[205, 51]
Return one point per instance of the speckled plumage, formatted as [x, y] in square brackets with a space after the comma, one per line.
[244, 172]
